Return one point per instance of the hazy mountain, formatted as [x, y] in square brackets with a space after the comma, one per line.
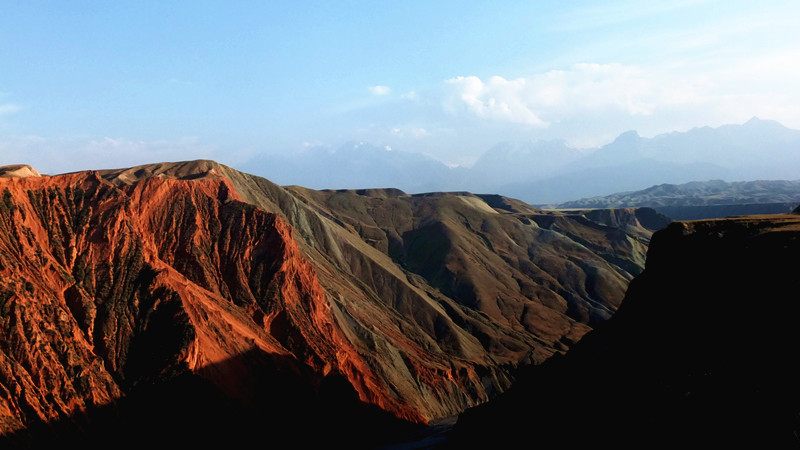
[607, 179]
[703, 199]
[697, 193]
[755, 149]
[518, 162]
[551, 171]
[758, 149]
[356, 165]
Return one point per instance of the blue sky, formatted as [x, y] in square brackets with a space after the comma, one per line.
[111, 84]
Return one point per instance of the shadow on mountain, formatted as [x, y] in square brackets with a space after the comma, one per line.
[701, 353]
[287, 404]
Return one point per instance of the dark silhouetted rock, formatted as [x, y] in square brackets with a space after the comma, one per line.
[701, 353]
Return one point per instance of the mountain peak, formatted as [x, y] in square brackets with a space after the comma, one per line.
[186, 170]
[628, 136]
[755, 120]
[18, 171]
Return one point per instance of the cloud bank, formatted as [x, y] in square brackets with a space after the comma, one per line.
[652, 99]
[557, 95]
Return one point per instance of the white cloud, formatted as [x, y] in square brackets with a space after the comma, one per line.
[652, 98]
[8, 109]
[380, 90]
[498, 99]
[550, 96]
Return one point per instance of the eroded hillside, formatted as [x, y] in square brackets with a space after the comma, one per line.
[422, 305]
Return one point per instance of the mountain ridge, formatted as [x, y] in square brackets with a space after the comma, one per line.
[699, 200]
[550, 171]
[408, 288]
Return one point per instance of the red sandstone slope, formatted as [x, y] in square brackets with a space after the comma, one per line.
[90, 274]
[444, 295]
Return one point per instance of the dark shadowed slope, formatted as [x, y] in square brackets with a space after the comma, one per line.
[701, 354]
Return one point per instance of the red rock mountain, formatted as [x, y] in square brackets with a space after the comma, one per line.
[112, 282]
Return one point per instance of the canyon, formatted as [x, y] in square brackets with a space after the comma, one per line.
[127, 292]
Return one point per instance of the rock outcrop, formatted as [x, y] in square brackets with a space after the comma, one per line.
[18, 171]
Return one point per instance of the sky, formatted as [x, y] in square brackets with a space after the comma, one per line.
[100, 84]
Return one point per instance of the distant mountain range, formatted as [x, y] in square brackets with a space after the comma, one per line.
[552, 172]
[697, 193]
[356, 165]
[702, 199]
